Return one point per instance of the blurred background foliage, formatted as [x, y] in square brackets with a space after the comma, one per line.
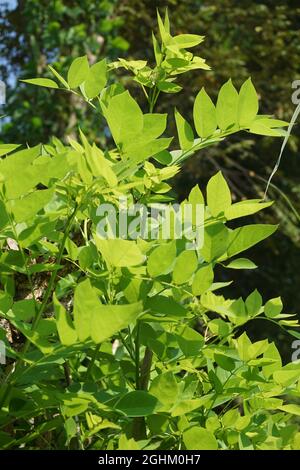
[243, 38]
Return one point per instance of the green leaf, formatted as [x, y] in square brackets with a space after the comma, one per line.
[45, 82]
[138, 403]
[185, 132]
[185, 41]
[263, 127]
[98, 321]
[27, 207]
[243, 346]
[108, 320]
[23, 309]
[6, 301]
[78, 71]
[9, 167]
[65, 327]
[154, 125]
[218, 195]
[292, 409]
[203, 279]
[237, 312]
[59, 77]
[227, 106]
[241, 263]
[196, 196]
[185, 265]
[247, 104]
[273, 354]
[197, 438]
[124, 117]
[168, 87]
[164, 387]
[245, 237]
[215, 241]
[186, 406]
[96, 79]
[156, 49]
[100, 166]
[286, 377]
[127, 444]
[120, 253]
[161, 305]
[190, 341]
[7, 148]
[244, 208]
[273, 307]
[253, 303]
[163, 29]
[204, 112]
[161, 259]
[224, 362]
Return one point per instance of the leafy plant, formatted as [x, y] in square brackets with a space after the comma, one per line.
[117, 343]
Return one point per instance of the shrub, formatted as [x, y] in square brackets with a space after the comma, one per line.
[127, 343]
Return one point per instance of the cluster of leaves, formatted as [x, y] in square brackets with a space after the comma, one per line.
[242, 38]
[128, 344]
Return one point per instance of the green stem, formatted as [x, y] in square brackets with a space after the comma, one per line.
[142, 381]
[153, 95]
[137, 356]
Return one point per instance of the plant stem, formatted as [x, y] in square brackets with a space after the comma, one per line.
[142, 381]
[137, 356]
[67, 372]
[145, 369]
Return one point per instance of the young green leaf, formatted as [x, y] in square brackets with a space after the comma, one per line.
[161, 259]
[44, 82]
[65, 327]
[253, 303]
[204, 113]
[185, 132]
[157, 51]
[163, 29]
[197, 438]
[185, 41]
[245, 237]
[227, 106]
[245, 208]
[118, 252]
[96, 79]
[216, 240]
[124, 117]
[273, 307]
[92, 319]
[78, 71]
[241, 263]
[164, 387]
[138, 403]
[59, 77]
[247, 104]
[218, 194]
[203, 279]
[185, 265]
